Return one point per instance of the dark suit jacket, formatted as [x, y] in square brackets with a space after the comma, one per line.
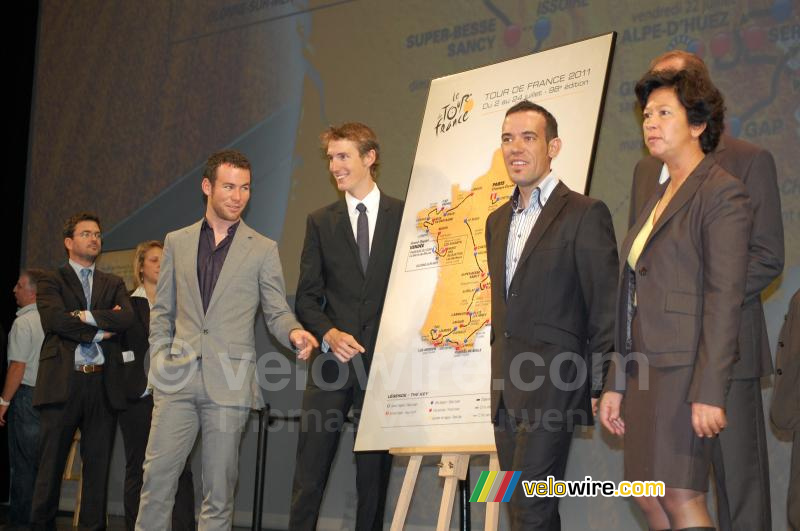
[786, 397]
[756, 169]
[332, 290]
[60, 293]
[689, 282]
[136, 339]
[561, 299]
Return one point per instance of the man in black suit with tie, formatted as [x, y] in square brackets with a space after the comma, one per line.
[344, 271]
[553, 264]
[80, 380]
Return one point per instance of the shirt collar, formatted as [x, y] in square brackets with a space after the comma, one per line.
[26, 309]
[371, 200]
[545, 188]
[77, 268]
[664, 177]
[231, 230]
[139, 292]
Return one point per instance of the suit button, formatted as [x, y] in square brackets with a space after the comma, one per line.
[205, 331]
[513, 293]
[780, 344]
[507, 334]
[779, 371]
[643, 271]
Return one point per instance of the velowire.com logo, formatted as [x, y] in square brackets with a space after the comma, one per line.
[495, 486]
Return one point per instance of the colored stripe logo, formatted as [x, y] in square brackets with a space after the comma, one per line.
[495, 486]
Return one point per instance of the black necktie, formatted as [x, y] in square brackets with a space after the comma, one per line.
[362, 236]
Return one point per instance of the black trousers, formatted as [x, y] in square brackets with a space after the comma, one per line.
[537, 451]
[87, 409]
[134, 423]
[322, 420]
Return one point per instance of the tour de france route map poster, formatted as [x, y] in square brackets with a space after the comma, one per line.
[429, 381]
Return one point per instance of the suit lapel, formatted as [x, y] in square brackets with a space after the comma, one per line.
[554, 204]
[500, 232]
[380, 238]
[344, 231]
[188, 253]
[98, 286]
[681, 197]
[240, 247]
[73, 283]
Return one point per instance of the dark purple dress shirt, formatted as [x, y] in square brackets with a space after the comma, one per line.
[210, 259]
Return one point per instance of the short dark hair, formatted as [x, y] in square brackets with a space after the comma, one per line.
[231, 157]
[697, 94]
[362, 135]
[69, 226]
[550, 123]
[34, 276]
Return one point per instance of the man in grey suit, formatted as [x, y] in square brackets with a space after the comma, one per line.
[214, 274]
[741, 469]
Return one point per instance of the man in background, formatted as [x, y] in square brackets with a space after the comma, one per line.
[16, 401]
[80, 380]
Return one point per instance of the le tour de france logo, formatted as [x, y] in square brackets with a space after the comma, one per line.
[455, 112]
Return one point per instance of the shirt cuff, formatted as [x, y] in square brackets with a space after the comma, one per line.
[325, 347]
[89, 318]
[98, 337]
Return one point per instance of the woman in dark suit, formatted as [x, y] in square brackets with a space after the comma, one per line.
[134, 422]
[678, 308]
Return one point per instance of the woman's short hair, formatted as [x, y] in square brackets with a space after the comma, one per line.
[702, 100]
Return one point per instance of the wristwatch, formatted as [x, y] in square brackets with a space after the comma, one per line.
[76, 313]
[4, 402]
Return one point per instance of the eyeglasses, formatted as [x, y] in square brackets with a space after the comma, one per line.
[86, 234]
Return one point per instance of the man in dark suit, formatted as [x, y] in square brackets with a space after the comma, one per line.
[786, 401]
[344, 271]
[739, 459]
[80, 378]
[553, 264]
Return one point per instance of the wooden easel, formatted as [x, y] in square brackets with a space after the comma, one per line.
[453, 467]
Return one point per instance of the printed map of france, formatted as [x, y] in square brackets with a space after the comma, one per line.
[460, 307]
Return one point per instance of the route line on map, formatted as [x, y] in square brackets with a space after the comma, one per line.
[476, 330]
[474, 246]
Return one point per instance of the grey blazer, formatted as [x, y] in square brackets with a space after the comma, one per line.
[689, 282]
[222, 339]
[755, 167]
[786, 397]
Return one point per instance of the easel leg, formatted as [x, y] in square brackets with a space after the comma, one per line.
[404, 500]
[492, 508]
[453, 467]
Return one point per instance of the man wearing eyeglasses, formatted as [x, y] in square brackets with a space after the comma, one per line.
[79, 383]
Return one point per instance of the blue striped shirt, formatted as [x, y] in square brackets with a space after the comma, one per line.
[523, 220]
